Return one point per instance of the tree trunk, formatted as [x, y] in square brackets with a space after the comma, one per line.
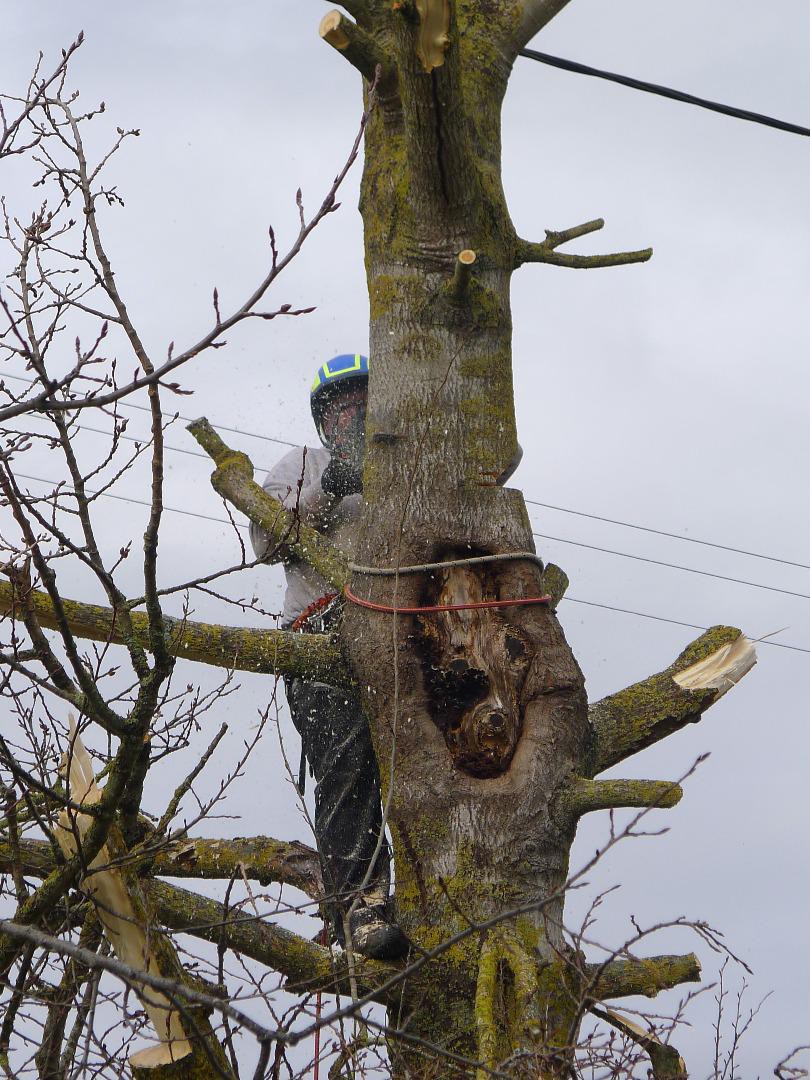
[482, 715]
[479, 716]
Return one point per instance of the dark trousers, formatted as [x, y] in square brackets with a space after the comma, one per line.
[348, 817]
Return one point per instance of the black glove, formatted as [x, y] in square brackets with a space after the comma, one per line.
[341, 478]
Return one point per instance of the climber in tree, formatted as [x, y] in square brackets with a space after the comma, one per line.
[334, 734]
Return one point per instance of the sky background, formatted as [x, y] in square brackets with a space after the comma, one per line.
[671, 395]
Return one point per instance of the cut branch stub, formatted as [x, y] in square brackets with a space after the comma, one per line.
[476, 663]
[358, 47]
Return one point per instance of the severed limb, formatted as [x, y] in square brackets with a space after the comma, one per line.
[271, 652]
[259, 858]
[648, 711]
[358, 47]
[546, 251]
[118, 898]
[666, 1062]
[646, 977]
[233, 480]
[584, 796]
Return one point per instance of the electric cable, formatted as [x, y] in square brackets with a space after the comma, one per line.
[188, 419]
[673, 566]
[531, 502]
[569, 599]
[671, 535]
[675, 622]
[139, 502]
[664, 91]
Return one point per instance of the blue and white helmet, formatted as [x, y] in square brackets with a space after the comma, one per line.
[331, 378]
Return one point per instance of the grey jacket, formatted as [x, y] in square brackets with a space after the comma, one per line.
[336, 518]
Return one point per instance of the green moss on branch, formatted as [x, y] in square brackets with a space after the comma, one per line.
[585, 796]
[267, 652]
[647, 977]
[648, 711]
[259, 858]
[307, 966]
[233, 480]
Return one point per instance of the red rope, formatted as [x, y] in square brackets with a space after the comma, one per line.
[444, 607]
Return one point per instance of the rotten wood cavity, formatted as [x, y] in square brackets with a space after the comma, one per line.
[475, 665]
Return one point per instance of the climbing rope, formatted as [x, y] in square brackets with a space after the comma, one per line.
[432, 608]
[471, 561]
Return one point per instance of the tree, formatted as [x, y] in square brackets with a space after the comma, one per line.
[488, 752]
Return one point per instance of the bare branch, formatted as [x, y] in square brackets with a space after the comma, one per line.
[640, 715]
[308, 967]
[534, 15]
[546, 252]
[46, 401]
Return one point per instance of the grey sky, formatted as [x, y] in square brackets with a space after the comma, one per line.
[672, 395]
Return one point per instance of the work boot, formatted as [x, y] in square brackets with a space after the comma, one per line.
[373, 933]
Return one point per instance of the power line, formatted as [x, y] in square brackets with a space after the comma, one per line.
[674, 622]
[188, 419]
[542, 536]
[671, 535]
[673, 566]
[138, 502]
[570, 599]
[664, 91]
[532, 502]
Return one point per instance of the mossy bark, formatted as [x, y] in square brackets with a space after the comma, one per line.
[268, 652]
[441, 429]
[481, 839]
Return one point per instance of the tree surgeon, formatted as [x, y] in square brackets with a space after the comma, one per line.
[325, 486]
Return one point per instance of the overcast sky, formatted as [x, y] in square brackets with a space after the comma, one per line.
[672, 395]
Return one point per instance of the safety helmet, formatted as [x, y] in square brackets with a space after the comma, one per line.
[339, 373]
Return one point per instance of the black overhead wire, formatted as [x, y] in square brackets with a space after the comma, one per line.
[672, 566]
[570, 599]
[664, 91]
[671, 535]
[532, 502]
